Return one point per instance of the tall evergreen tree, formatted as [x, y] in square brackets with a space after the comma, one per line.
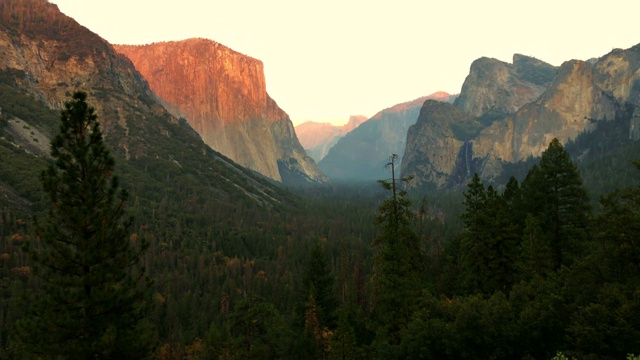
[398, 265]
[555, 194]
[489, 243]
[317, 315]
[94, 295]
[318, 281]
[474, 238]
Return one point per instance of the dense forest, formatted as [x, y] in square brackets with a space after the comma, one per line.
[533, 269]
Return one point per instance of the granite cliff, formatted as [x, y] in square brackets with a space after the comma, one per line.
[439, 126]
[318, 138]
[47, 55]
[222, 95]
[581, 96]
[495, 88]
[362, 154]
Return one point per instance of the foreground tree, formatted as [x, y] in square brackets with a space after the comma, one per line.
[397, 269]
[93, 297]
[556, 196]
[488, 249]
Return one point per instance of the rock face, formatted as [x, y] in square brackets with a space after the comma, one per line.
[317, 138]
[46, 56]
[494, 88]
[433, 144]
[222, 94]
[361, 155]
[580, 96]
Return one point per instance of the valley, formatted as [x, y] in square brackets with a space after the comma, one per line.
[500, 222]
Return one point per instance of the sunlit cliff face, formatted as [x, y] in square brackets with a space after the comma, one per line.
[223, 96]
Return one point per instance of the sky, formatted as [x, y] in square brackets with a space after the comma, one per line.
[327, 60]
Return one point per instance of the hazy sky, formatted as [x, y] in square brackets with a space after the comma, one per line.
[326, 60]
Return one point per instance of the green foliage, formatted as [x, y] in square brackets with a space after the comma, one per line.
[469, 327]
[536, 258]
[318, 282]
[557, 197]
[488, 248]
[254, 331]
[398, 266]
[343, 341]
[93, 298]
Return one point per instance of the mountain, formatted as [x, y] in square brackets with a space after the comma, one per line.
[361, 155]
[582, 98]
[317, 138]
[222, 95]
[439, 126]
[495, 88]
[45, 57]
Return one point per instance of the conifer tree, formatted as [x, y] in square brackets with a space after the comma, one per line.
[343, 341]
[398, 265]
[473, 238]
[318, 281]
[318, 313]
[489, 243]
[555, 194]
[94, 296]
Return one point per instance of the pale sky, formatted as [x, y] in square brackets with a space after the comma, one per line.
[326, 60]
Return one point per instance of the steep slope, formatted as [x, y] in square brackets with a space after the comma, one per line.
[362, 154]
[437, 143]
[318, 138]
[46, 56]
[222, 94]
[583, 97]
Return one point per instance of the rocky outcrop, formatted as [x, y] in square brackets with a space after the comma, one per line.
[581, 96]
[317, 138]
[494, 88]
[361, 155]
[434, 142]
[222, 94]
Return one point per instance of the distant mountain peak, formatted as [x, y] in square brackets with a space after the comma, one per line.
[362, 154]
[318, 138]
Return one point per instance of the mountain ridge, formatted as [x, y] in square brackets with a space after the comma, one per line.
[580, 97]
[47, 56]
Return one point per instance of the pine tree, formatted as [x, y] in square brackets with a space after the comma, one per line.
[398, 265]
[317, 315]
[318, 281]
[473, 239]
[343, 341]
[94, 296]
[555, 194]
[489, 243]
